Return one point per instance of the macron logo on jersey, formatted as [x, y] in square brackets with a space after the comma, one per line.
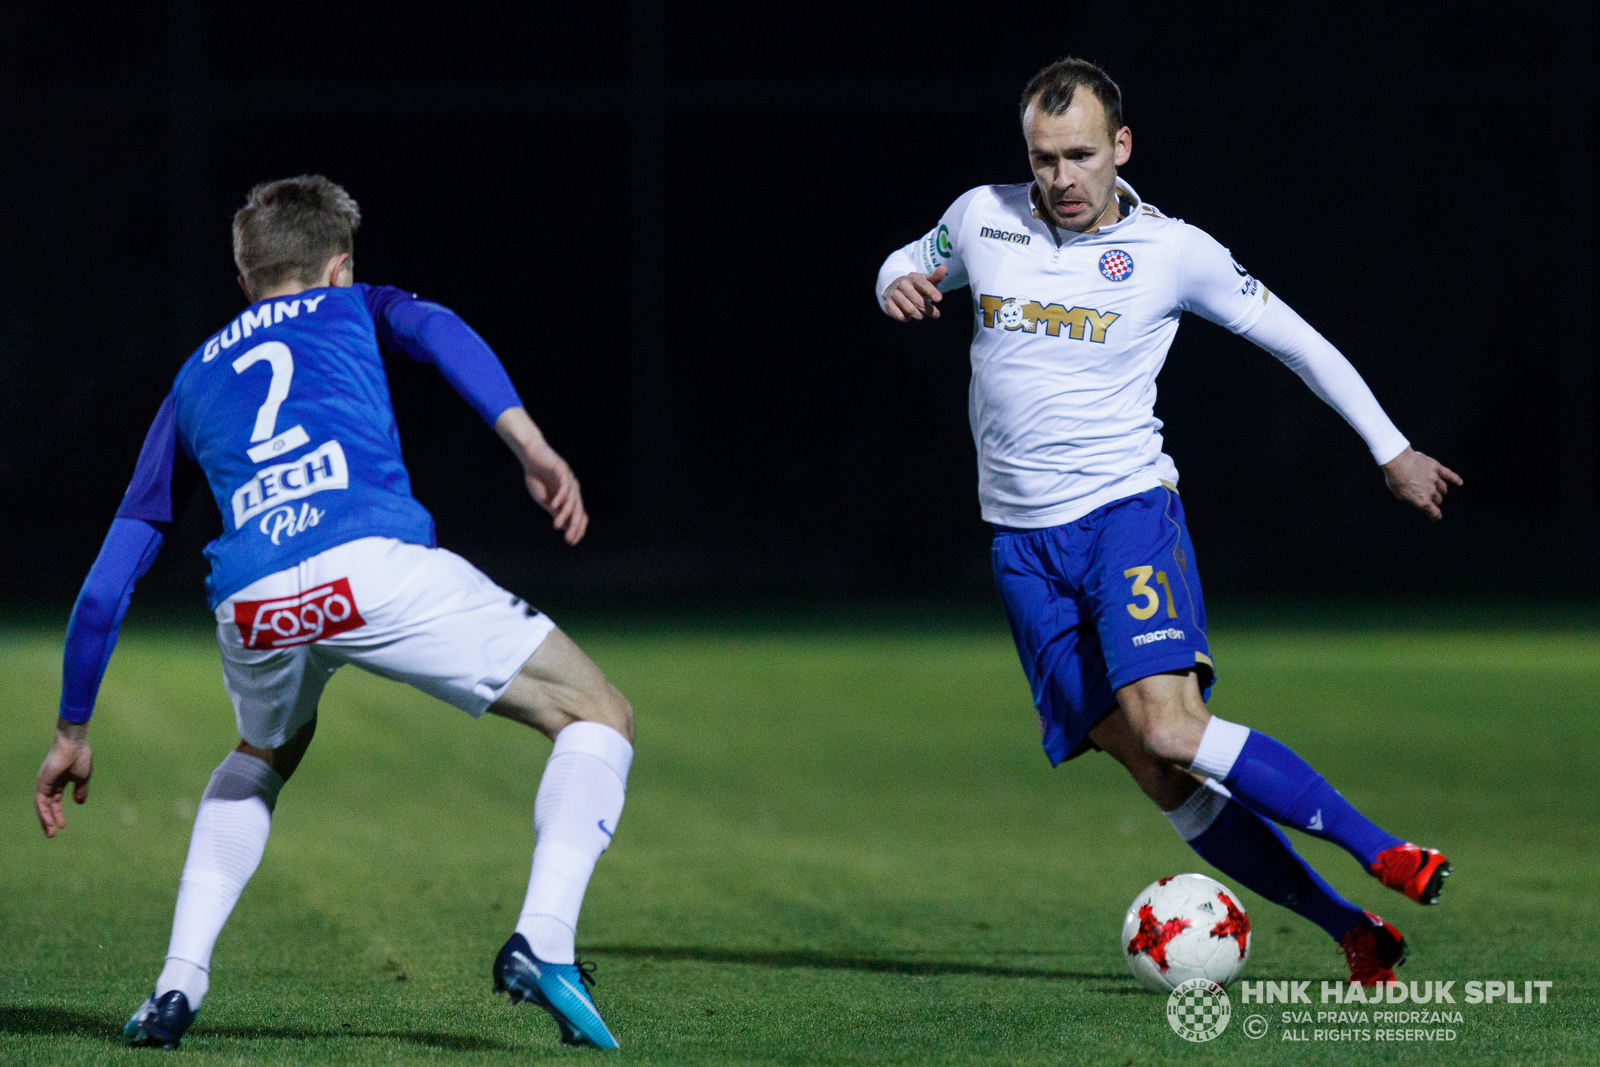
[1004, 235]
[312, 473]
[1171, 633]
[1012, 313]
[258, 319]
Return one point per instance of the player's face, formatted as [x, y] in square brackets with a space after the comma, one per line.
[1075, 160]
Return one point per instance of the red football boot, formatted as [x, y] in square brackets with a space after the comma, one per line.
[1373, 951]
[1419, 873]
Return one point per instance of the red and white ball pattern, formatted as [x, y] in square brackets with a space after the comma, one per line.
[1182, 927]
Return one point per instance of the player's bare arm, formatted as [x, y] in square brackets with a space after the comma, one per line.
[69, 762]
[1420, 480]
[550, 480]
[914, 296]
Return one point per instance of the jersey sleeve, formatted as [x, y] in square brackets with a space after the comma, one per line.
[165, 477]
[429, 333]
[1213, 285]
[1328, 374]
[127, 552]
[939, 247]
[163, 481]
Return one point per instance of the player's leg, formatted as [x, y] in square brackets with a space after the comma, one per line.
[561, 693]
[1046, 578]
[1151, 617]
[432, 620]
[230, 834]
[1168, 714]
[275, 695]
[1228, 835]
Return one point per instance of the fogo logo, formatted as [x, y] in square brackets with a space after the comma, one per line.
[324, 611]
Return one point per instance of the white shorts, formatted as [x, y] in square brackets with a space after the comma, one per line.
[423, 616]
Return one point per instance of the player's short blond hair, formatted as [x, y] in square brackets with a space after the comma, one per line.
[1053, 87]
[289, 228]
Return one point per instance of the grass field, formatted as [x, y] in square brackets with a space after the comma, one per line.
[841, 845]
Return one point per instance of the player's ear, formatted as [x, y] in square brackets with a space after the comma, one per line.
[246, 287]
[1124, 146]
[340, 270]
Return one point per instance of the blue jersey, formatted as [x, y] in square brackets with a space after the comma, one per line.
[286, 414]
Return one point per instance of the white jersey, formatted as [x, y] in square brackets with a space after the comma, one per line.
[1069, 332]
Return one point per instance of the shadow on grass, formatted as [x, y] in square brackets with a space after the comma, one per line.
[105, 1028]
[839, 962]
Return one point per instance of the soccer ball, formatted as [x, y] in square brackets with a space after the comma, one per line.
[1185, 926]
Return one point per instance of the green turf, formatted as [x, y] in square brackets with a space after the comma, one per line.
[839, 847]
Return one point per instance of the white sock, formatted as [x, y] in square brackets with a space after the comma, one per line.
[575, 814]
[1194, 816]
[1219, 748]
[230, 833]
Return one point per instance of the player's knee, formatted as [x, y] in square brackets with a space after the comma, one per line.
[610, 707]
[1171, 735]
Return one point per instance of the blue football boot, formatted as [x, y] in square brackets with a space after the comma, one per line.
[160, 1022]
[558, 988]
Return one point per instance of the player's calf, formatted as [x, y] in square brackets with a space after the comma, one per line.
[1270, 777]
[1247, 848]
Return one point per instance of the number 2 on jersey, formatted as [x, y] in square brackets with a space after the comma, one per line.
[1152, 600]
[275, 354]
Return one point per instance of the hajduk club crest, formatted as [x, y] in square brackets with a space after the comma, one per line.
[1116, 265]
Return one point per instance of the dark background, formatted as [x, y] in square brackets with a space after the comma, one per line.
[667, 219]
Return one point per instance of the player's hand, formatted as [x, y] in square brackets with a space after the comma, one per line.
[555, 488]
[549, 480]
[1420, 480]
[69, 760]
[914, 296]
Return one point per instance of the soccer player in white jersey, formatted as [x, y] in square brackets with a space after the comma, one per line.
[1077, 288]
[326, 559]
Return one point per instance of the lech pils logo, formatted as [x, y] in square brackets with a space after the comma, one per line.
[942, 242]
[1116, 265]
[1198, 1010]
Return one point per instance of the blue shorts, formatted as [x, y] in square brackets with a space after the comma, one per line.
[1098, 603]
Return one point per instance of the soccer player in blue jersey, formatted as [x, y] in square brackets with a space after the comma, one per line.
[1077, 287]
[326, 559]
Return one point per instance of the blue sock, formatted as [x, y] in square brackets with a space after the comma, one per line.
[1273, 781]
[1254, 853]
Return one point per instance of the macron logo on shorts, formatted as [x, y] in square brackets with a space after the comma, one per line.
[324, 611]
[1170, 634]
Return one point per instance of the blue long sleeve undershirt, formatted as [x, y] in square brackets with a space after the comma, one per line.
[428, 333]
[127, 552]
[418, 329]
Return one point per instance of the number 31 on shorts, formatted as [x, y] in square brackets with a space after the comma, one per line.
[1152, 599]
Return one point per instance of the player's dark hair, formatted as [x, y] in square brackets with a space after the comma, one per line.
[289, 228]
[1053, 87]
